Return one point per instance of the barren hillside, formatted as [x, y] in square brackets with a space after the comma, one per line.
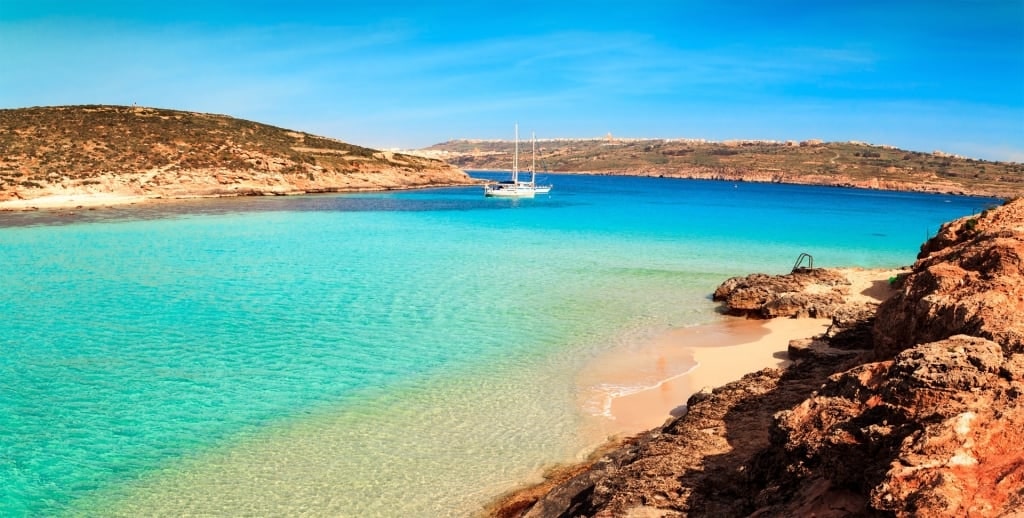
[848, 164]
[104, 150]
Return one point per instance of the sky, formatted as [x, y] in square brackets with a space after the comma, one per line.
[920, 75]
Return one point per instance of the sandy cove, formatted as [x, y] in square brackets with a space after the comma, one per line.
[907, 408]
[635, 388]
[629, 390]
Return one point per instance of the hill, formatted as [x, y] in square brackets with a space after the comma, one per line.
[105, 151]
[849, 164]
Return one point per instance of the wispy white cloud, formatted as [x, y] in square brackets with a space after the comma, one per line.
[398, 78]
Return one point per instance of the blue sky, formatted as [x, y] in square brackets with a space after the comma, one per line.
[937, 75]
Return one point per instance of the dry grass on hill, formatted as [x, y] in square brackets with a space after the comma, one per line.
[811, 162]
[43, 150]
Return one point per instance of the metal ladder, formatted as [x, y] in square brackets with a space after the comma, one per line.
[800, 259]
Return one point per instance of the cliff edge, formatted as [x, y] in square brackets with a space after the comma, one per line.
[910, 409]
[138, 153]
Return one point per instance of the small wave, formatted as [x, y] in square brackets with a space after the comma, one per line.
[601, 404]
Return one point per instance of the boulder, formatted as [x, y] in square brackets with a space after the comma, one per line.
[815, 293]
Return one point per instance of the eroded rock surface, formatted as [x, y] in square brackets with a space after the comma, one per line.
[969, 279]
[803, 293]
[809, 293]
[934, 432]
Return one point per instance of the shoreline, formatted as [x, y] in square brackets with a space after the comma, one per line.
[74, 201]
[845, 430]
[717, 177]
[633, 389]
[658, 377]
[110, 199]
[58, 202]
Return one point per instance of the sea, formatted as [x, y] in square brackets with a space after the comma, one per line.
[402, 353]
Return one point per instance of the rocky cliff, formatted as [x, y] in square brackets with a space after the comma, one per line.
[134, 151]
[913, 409]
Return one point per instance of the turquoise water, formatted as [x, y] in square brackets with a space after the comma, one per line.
[392, 354]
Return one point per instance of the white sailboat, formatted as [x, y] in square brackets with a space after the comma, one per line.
[516, 188]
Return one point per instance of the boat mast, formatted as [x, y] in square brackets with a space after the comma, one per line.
[533, 162]
[515, 159]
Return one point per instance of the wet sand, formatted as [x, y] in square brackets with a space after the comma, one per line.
[636, 388]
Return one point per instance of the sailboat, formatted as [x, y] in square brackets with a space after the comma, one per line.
[516, 188]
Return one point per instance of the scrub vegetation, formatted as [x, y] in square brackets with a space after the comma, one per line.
[814, 162]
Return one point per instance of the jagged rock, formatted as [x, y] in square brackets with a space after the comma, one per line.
[931, 433]
[843, 294]
[969, 279]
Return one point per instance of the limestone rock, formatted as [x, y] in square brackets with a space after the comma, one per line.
[848, 294]
[934, 432]
[813, 293]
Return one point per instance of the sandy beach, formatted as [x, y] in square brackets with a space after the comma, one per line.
[636, 388]
[72, 201]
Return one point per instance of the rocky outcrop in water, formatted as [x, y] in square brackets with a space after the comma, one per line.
[912, 411]
[804, 293]
[811, 292]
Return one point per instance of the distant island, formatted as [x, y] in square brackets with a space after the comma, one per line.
[812, 162]
[91, 155]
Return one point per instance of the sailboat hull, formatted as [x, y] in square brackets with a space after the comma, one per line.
[509, 191]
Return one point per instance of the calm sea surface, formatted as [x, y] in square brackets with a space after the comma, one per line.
[389, 354]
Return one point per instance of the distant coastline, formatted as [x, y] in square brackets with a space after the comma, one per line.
[796, 180]
[834, 164]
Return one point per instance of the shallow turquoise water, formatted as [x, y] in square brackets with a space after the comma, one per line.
[389, 354]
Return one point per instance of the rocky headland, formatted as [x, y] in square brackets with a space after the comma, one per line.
[911, 407]
[67, 155]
